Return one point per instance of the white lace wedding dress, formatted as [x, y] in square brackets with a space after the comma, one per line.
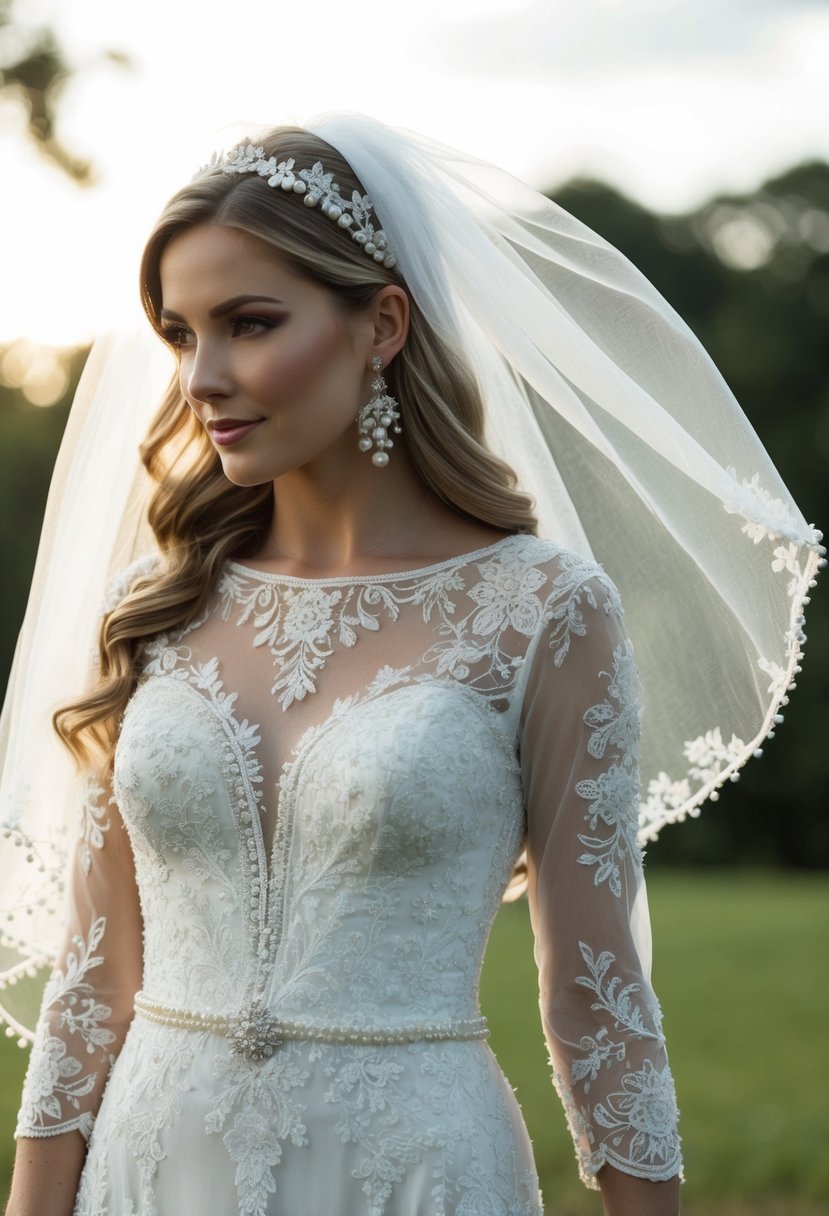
[320, 791]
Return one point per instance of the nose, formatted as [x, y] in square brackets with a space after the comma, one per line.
[205, 375]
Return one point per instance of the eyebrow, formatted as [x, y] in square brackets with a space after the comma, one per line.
[222, 309]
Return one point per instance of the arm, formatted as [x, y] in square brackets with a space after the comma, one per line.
[624, 1195]
[86, 1012]
[46, 1174]
[579, 755]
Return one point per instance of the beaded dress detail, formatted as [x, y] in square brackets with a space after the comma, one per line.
[268, 998]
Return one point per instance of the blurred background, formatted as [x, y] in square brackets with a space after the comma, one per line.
[693, 137]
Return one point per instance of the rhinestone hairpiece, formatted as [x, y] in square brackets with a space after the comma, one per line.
[317, 188]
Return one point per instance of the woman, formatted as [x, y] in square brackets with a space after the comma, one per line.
[351, 684]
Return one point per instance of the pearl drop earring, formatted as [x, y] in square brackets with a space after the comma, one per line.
[376, 417]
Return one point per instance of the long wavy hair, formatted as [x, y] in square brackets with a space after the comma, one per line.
[199, 518]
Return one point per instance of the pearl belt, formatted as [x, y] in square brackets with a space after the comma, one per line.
[256, 1034]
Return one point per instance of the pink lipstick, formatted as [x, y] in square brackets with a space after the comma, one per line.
[231, 431]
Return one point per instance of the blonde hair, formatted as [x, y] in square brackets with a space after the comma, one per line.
[200, 519]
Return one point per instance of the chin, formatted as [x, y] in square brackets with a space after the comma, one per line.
[240, 479]
[248, 473]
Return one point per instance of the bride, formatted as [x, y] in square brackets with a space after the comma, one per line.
[367, 675]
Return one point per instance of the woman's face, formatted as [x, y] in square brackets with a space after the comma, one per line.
[268, 363]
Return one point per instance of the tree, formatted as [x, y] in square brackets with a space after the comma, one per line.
[33, 72]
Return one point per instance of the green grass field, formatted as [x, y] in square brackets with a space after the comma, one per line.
[741, 970]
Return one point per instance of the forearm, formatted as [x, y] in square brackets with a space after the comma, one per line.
[624, 1195]
[46, 1173]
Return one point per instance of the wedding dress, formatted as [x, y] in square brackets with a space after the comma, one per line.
[267, 1001]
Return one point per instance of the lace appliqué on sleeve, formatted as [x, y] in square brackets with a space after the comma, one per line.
[57, 1079]
[613, 795]
[640, 1111]
[602, 1019]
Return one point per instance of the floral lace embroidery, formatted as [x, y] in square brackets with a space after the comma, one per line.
[616, 1001]
[300, 625]
[614, 794]
[708, 756]
[163, 657]
[93, 823]
[55, 1077]
[646, 1106]
[765, 515]
[265, 1115]
[162, 1089]
[571, 588]
[641, 1115]
[296, 624]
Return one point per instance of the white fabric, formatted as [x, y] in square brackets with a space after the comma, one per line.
[338, 858]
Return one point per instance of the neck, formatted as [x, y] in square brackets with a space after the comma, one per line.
[329, 514]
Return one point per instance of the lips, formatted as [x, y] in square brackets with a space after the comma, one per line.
[225, 431]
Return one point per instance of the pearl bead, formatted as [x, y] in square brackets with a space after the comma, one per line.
[378, 433]
[385, 419]
[370, 247]
[380, 459]
[364, 444]
[256, 1034]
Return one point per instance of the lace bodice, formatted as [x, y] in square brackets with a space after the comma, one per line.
[320, 791]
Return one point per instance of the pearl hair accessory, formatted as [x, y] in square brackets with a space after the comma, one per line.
[376, 417]
[317, 188]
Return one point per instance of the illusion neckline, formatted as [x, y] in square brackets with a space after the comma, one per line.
[342, 580]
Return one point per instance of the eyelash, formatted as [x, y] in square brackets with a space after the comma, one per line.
[176, 335]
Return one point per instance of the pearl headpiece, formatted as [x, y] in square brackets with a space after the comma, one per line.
[317, 188]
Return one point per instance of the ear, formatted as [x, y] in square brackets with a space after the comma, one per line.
[390, 317]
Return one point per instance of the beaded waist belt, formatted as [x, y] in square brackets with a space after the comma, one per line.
[256, 1034]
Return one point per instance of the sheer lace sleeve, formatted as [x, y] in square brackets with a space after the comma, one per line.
[88, 1002]
[580, 760]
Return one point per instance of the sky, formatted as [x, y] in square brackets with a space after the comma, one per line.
[670, 102]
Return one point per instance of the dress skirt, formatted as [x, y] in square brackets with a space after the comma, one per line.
[318, 1129]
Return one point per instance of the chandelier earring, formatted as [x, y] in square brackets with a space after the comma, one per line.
[376, 417]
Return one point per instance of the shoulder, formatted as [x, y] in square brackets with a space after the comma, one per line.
[568, 602]
[558, 576]
[122, 583]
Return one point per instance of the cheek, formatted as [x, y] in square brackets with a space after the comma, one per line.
[305, 361]
[184, 385]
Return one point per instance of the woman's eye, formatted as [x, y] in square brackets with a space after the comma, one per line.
[244, 325]
[176, 335]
